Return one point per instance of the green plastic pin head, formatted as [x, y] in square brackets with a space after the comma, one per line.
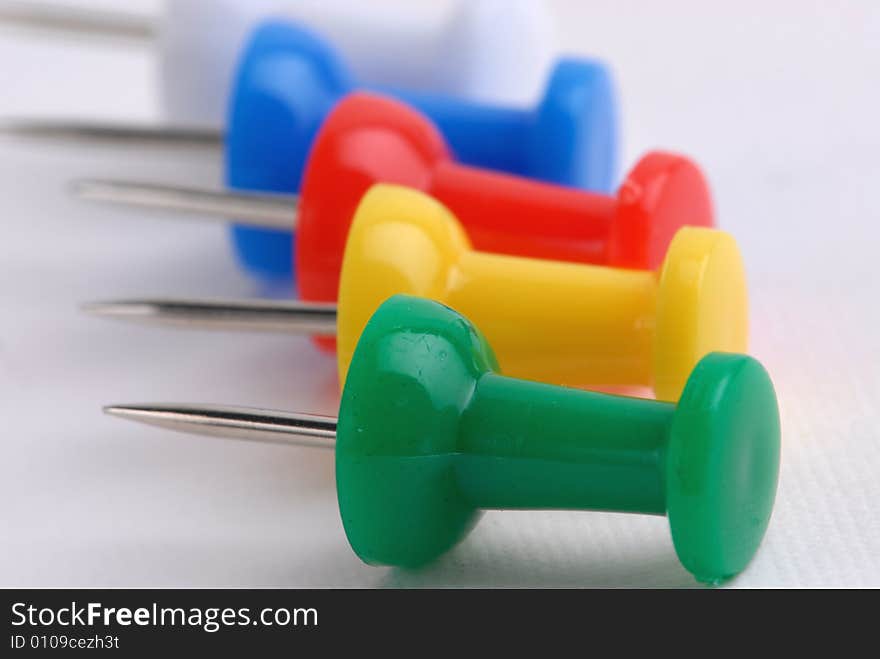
[415, 369]
[430, 433]
[722, 465]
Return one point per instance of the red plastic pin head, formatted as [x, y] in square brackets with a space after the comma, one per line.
[369, 139]
[662, 193]
[365, 140]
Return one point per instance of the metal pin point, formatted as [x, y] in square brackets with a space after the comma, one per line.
[246, 315]
[79, 132]
[97, 22]
[244, 423]
[266, 210]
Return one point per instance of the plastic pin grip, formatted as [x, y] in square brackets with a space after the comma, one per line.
[289, 80]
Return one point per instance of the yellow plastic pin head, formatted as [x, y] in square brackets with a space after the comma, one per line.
[563, 323]
[702, 306]
[400, 242]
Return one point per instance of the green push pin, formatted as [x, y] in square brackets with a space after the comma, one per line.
[429, 434]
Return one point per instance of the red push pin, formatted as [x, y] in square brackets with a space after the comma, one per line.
[369, 139]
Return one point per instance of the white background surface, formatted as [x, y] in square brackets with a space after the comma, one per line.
[779, 101]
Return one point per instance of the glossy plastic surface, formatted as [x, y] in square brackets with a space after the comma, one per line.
[429, 433]
[551, 321]
[289, 79]
[368, 138]
[722, 465]
[579, 325]
[492, 51]
[272, 126]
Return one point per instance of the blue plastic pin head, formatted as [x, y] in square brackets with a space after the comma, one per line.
[289, 79]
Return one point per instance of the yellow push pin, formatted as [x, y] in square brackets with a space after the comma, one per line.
[550, 321]
[564, 323]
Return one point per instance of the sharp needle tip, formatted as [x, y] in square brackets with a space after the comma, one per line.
[153, 414]
[124, 411]
[267, 210]
[93, 308]
[234, 423]
[132, 310]
[19, 127]
[250, 315]
[115, 309]
[9, 126]
[83, 21]
[82, 187]
[90, 189]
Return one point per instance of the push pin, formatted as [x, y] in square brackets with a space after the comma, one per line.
[368, 139]
[429, 433]
[550, 321]
[289, 80]
[486, 50]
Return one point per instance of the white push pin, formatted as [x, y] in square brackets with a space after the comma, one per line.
[486, 50]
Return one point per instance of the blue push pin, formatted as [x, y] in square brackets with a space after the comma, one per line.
[288, 79]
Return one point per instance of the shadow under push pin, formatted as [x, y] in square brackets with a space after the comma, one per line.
[551, 321]
[429, 433]
[369, 139]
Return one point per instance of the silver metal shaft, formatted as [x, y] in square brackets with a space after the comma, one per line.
[251, 424]
[266, 210]
[249, 315]
[90, 132]
[92, 22]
